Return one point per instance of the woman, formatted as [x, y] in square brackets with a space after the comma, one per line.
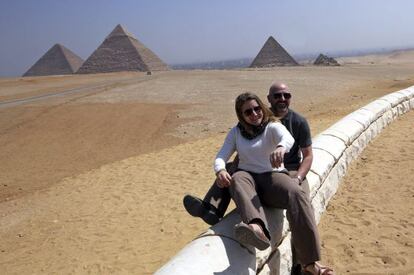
[261, 143]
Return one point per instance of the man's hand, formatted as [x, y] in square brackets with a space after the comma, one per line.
[223, 179]
[276, 157]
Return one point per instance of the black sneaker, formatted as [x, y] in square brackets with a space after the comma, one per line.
[199, 208]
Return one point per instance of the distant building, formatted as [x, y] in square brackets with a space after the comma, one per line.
[273, 54]
[56, 61]
[121, 51]
[323, 60]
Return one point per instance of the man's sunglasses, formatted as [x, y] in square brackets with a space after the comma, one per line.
[249, 112]
[279, 95]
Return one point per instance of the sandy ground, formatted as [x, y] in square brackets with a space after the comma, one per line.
[92, 180]
[368, 226]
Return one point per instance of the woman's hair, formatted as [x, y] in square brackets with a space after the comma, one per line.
[247, 96]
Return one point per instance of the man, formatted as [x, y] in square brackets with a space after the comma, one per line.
[298, 162]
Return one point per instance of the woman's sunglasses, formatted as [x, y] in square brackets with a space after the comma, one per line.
[279, 95]
[249, 112]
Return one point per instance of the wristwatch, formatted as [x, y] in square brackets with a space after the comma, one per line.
[300, 179]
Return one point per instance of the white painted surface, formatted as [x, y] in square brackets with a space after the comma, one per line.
[331, 144]
[322, 163]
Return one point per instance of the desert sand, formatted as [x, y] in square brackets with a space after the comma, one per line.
[94, 167]
[368, 225]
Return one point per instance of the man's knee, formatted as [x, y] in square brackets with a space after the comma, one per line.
[291, 185]
[296, 192]
[304, 185]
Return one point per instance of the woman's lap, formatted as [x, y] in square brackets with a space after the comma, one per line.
[272, 188]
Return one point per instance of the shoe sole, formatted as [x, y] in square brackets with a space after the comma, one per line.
[245, 235]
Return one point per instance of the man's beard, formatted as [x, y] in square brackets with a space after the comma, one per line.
[280, 108]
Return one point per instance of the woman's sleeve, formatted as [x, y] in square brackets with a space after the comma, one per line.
[228, 148]
[282, 136]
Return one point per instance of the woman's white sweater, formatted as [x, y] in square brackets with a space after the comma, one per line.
[254, 154]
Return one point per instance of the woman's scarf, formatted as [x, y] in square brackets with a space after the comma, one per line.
[256, 130]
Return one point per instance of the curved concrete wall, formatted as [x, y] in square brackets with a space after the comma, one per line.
[217, 252]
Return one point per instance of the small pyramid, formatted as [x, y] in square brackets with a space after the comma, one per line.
[121, 51]
[323, 60]
[272, 54]
[56, 61]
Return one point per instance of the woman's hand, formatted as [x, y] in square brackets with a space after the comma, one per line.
[223, 179]
[276, 157]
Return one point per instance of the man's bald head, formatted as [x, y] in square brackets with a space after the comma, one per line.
[278, 86]
[279, 98]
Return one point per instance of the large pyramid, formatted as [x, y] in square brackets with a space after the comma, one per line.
[272, 54]
[57, 60]
[121, 51]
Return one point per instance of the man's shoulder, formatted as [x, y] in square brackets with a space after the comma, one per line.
[295, 116]
[301, 125]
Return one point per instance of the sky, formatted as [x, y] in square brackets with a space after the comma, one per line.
[189, 31]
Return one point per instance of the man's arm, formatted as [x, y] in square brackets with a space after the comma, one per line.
[306, 162]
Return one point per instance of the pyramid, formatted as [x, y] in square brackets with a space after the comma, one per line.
[57, 60]
[121, 51]
[323, 60]
[272, 54]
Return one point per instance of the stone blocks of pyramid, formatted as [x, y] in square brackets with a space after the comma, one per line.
[273, 54]
[121, 51]
[57, 60]
[324, 60]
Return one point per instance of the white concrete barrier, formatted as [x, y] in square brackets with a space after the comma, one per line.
[217, 252]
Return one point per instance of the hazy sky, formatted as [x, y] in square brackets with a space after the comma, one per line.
[183, 31]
